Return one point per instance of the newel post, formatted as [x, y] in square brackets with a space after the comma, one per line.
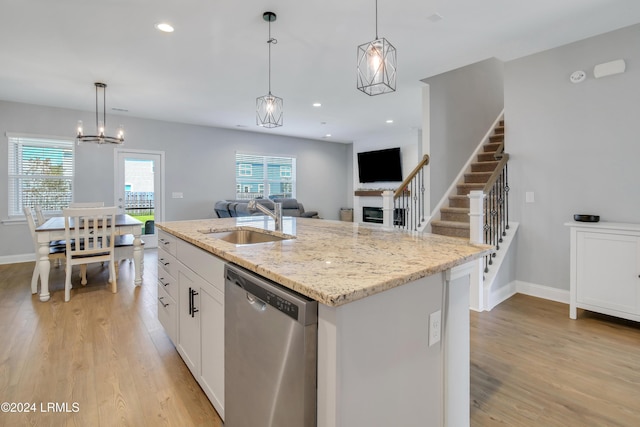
[476, 229]
[387, 209]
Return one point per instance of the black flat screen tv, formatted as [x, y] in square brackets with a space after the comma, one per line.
[380, 165]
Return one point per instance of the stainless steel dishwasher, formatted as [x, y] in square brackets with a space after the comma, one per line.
[270, 353]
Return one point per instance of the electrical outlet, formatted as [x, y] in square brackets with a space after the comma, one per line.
[435, 327]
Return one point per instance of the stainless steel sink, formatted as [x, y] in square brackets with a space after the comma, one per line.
[246, 237]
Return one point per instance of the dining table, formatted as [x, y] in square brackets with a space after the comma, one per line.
[53, 229]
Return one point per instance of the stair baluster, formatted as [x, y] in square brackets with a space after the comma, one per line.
[409, 199]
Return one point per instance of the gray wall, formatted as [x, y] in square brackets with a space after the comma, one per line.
[200, 162]
[463, 105]
[575, 146]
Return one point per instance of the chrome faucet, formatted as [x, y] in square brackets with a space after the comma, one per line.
[276, 214]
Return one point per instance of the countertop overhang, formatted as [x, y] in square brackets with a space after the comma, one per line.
[333, 262]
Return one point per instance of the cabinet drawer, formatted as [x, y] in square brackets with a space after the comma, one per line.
[168, 283]
[168, 314]
[167, 242]
[168, 263]
[205, 264]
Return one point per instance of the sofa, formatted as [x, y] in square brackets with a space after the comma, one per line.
[234, 208]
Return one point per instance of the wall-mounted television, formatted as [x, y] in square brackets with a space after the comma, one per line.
[380, 165]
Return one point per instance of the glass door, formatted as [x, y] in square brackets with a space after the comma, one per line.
[139, 178]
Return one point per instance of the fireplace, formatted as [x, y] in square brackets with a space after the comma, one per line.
[374, 214]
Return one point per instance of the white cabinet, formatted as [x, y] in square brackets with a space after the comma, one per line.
[605, 269]
[168, 286]
[197, 277]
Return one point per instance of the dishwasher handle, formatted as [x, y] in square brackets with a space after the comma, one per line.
[256, 302]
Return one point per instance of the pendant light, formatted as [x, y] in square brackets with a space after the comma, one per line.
[100, 136]
[269, 106]
[377, 64]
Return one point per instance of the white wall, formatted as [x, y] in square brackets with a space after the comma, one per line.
[200, 163]
[409, 143]
[463, 104]
[575, 146]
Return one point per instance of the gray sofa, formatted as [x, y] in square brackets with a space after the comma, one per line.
[233, 208]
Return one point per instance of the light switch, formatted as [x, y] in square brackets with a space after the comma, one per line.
[529, 197]
[176, 195]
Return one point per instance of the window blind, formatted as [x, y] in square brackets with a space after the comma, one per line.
[40, 172]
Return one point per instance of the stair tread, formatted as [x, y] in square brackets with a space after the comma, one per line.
[472, 173]
[453, 209]
[450, 224]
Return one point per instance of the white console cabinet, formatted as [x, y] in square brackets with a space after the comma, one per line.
[605, 269]
[191, 281]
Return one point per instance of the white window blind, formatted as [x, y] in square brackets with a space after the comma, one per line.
[271, 176]
[41, 172]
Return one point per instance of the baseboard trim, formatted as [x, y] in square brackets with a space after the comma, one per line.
[16, 259]
[541, 291]
[500, 295]
[519, 287]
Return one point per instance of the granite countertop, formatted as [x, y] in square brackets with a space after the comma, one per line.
[333, 262]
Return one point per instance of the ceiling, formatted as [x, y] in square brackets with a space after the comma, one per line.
[211, 69]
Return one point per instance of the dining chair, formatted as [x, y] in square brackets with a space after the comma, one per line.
[56, 251]
[39, 215]
[86, 204]
[93, 231]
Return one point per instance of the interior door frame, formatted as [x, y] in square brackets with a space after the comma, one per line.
[158, 193]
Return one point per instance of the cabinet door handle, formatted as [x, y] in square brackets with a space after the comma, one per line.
[163, 304]
[190, 302]
[194, 310]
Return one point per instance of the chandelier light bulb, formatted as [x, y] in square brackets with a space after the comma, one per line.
[79, 128]
[376, 64]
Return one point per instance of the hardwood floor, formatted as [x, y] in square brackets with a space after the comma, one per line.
[533, 366]
[103, 355]
[107, 354]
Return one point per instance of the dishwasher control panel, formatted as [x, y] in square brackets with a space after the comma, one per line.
[291, 303]
[285, 306]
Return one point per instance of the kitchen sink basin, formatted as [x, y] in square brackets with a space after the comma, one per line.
[246, 237]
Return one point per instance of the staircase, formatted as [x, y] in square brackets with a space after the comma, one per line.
[454, 219]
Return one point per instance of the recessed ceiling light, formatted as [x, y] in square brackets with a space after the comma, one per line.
[390, 121]
[164, 27]
[328, 135]
[317, 104]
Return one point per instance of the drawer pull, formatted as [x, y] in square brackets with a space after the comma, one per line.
[163, 262]
[161, 280]
[163, 304]
[164, 242]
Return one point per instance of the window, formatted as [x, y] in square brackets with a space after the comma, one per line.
[41, 172]
[245, 169]
[271, 176]
[285, 171]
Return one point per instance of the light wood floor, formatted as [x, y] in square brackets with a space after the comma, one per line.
[106, 352]
[530, 364]
[533, 366]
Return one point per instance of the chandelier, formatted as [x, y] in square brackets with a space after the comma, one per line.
[377, 64]
[269, 107]
[100, 136]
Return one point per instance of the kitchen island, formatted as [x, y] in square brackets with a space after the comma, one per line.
[393, 340]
